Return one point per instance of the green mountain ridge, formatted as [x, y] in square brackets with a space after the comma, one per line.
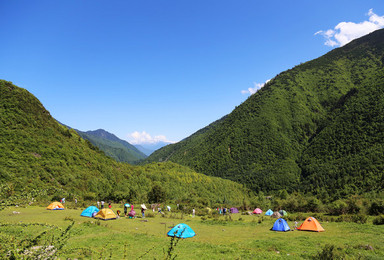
[111, 145]
[280, 137]
[38, 154]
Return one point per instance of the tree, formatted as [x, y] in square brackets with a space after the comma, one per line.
[157, 194]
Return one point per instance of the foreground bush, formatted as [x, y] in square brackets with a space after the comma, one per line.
[379, 220]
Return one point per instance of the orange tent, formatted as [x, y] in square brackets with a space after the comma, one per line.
[55, 205]
[311, 224]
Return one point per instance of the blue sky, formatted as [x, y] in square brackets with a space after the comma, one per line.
[161, 70]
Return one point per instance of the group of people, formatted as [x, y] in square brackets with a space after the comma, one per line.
[222, 210]
[100, 204]
[130, 214]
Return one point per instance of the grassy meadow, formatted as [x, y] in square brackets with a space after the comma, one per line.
[218, 237]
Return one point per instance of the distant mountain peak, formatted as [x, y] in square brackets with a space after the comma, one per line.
[113, 146]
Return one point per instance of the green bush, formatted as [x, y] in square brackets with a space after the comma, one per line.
[329, 252]
[376, 208]
[338, 207]
[379, 220]
[90, 196]
[359, 218]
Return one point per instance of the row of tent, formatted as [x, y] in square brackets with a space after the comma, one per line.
[271, 213]
[91, 212]
[310, 224]
[103, 214]
[183, 230]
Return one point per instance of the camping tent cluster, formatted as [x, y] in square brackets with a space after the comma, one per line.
[310, 224]
[103, 214]
[184, 231]
[276, 214]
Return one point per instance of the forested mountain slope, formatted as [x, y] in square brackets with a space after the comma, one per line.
[316, 126]
[111, 145]
[38, 153]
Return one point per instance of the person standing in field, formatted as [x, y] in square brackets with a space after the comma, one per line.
[143, 212]
[193, 212]
[125, 209]
[98, 204]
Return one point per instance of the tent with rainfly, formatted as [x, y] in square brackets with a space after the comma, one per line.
[283, 212]
[311, 224]
[55, 206]
[182, 231]
[276, 214]
[105, 214]
[89, 212]
[257, 211]
[269, 212]
[280, 225]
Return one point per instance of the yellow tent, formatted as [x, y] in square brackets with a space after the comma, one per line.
[55, 205]
[105, 214]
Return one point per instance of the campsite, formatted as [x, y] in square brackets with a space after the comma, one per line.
[234, 236]
[192, 130]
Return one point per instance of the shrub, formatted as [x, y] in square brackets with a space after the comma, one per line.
[376, 208]
[359, 218]
[379, 220]
[329, 252]
[300, 216]
[352, 207]
[90, 196]
[338, 207]
[313, 205]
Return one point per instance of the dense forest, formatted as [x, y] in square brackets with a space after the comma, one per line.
[38, 155]
[317, 127]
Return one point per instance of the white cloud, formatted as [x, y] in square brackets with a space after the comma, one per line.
[256, 87]
[345, 32]
[145, 138]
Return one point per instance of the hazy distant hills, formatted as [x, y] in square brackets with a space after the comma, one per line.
[113, 146]
[145, 151]
[149, 148]
[317, 127]
[118, 149]
[39, 155]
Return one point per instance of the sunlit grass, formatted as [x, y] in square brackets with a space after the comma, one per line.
[215, 239]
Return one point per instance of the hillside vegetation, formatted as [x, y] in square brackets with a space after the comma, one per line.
[317, 127]
[111, 145]
[39, 155]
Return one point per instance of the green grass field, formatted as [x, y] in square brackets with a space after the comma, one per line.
[240, 237]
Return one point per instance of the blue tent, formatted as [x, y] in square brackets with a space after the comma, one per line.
[269, 212]
[88, 212]
[181, 231]
[280, 225]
